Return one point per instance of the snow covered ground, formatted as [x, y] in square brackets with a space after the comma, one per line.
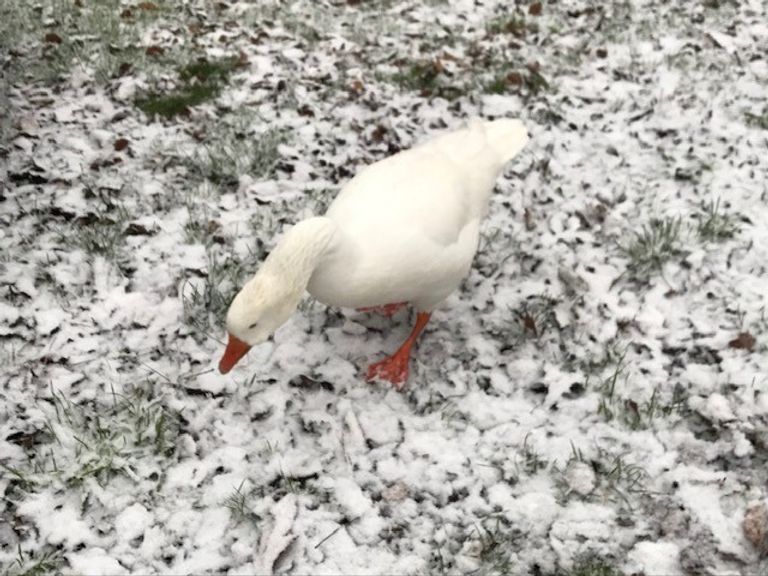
[593, 401]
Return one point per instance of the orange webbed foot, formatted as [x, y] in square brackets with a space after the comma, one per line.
[393, 369]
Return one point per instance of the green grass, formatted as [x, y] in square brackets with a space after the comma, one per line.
[614, 476]
[515, 24]
[102, 236]
[201, 228]
[636, 415]
[759, 120]
[229, 154]
[536, 315]
[593, 565]
[238, 504]
[34, 563]
[494, 543]
[199, 82]
[528, 82]
[98, 233]
[714, 225]
[657, 243]
[206, 301]
[428, 78]
[59, 34]
[532, 460]
[97, 439]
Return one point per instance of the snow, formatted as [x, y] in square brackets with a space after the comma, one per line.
[655, 558]
[93, 562]
[132, 522]
[59, 523]
[626, 427]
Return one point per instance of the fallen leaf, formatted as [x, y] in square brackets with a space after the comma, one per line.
[601, 52]
[146, 6]
[535, 9]
[515, 79]
[154, 51]
[306, 110]
[530, 223]
[755, 524]
[124, 68]
[135, 229]
[530, 324]
[744, 341]
[356, 86]
[53, 38]
[121, 144]
[397, 492]
[127, 13]
[122, 115]
[379, 133]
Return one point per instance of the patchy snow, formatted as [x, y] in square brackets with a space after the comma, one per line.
[132, 522]
[564, 404]
[654, 558]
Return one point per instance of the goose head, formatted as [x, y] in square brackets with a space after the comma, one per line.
[271, 297]
[256, 312]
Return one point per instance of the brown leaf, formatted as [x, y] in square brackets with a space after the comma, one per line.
[530, 223]
[126, 14]
[124, 68]
[632, 407]
[121, 144]
[136, 229]
[53, 38]
[601, 52]
[744, 341]
[755, 525]
[306, 110]
[395, 493]
[146, 6]
[379, 133]
[154, 50]
[515, 79]
[535, 9]
[357, 87]
[529, 323]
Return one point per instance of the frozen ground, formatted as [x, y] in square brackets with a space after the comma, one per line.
[593, 400]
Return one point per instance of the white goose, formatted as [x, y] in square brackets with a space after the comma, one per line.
[404, 230]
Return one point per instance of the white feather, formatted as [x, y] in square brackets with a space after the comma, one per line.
[405, 229]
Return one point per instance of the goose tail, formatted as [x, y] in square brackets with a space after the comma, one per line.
[506, 137]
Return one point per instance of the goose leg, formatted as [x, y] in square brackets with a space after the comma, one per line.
[387, 310]
[395, 368]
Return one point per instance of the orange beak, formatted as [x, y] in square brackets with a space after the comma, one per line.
[236, 349]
